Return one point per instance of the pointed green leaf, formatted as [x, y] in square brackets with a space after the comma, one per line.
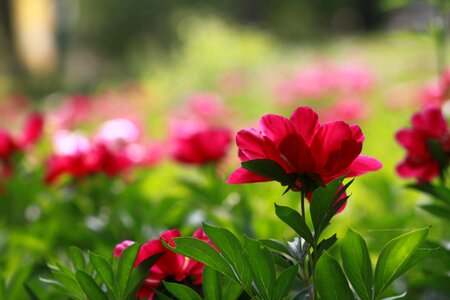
[139, 274]
[394, 258]
[322, 202]
[181, 292]
[231, 249]
[232, 290]
[77, 257]
[438, 192]
[284, 282]
[126, 264]
[211, 284]
[105, 271]
[356, 263]
[418, 255]
[330, 280]
[262, 266]
[202, 252]
[90, 288]
[437, 210]
[295, 221]
[275, 245]
[325, 244]
[69, 283]
[270, 169]
[395, 297]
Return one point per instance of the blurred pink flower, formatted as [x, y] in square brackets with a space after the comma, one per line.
[437, 93]
[10, 145]
[195, 142]
[170, 265]
[427, 125]
[351, 109]
[74, 110]
[115, 149]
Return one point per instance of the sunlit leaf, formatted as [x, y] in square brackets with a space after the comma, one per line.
[330, 280]
[262, 266]
[181, 292]
[397, 257]
[211, 284]
[284, 282]
[356, 263]
[292, 218]
[126, 264]
[90, 288]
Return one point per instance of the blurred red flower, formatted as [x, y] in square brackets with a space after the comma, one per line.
[437, 93]
[196, 142]
[10, 145]
[179, 268]
[115, 149]
[316, 153]
[428, 125]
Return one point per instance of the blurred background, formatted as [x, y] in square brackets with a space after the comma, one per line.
[48, 45]
[83, 62]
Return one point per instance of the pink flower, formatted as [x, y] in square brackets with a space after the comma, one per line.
[10, 145]
[180, 268]
[437, 93]
[312, 152]
[195, 142]
[427, 126]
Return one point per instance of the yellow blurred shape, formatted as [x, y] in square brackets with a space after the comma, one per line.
[34, 33]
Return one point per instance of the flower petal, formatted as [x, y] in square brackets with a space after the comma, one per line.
[306, 122]
[276, 127]
[363, 164]
[296, 154]
[242, 175]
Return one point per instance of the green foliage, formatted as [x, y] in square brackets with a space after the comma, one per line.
[93, 277]
[262, 281]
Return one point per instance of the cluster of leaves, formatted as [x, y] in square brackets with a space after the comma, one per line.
[94, 277]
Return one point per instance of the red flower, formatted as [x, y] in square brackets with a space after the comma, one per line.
[437, 93]
[427, 125]
[196, 142]
[10, 145]
[178, 267]
[316, 153]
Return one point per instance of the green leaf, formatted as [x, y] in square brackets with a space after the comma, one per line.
[330, 280]
[232, 290]
[295, 221]
[181, 292]
[31, 294]
[284, 282]
[395, 297]
[437, 152]
[69, 283]
[90, 288]
[322, 202]
[356, 263]
[270, 169]
[126, 264]
[325, 244]
[202, 252]
[139, 274]
[262, 266]
[104, 269]
[77, 257]
[394, 258]
[211, 284]
[275, 245]
[232, 250]
[437, 210]
[438, 192]
[419, 255]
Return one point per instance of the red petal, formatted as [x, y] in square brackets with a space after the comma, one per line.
[33, 130]
[306, 122]
[329, 138]
[430, 121]
[276, 127]
[241, 175]
[363, 164]
[296, 153]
